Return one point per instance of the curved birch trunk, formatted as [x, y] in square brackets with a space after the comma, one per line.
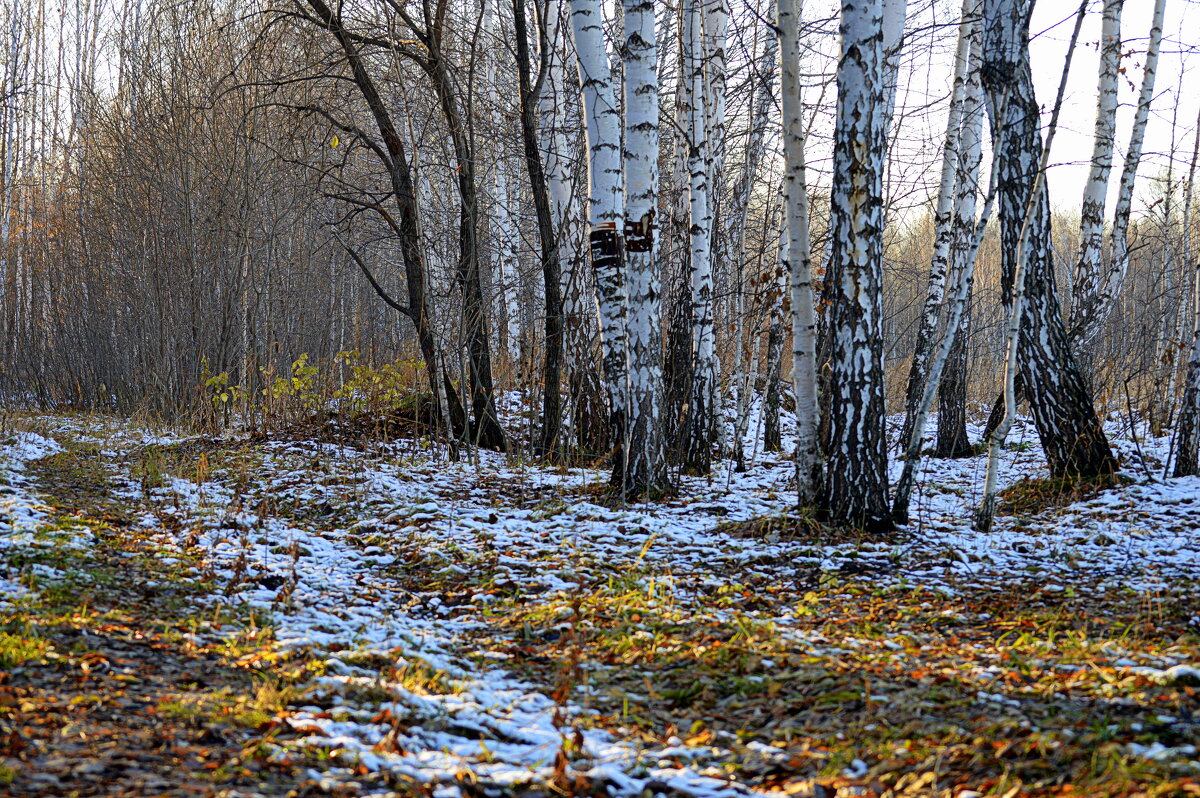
[1095, 192]
[1038, 344]
[854, 488]
[953, 440]
[961, 254]
[1095, 307]
[943, 221]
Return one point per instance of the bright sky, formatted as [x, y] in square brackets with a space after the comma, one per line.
[1053, 21]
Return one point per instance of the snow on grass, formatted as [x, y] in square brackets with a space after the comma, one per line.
[345, 548]
[546, 532]
[20, 512]
[338, 599]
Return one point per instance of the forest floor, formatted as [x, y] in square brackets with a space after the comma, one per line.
[278, 616]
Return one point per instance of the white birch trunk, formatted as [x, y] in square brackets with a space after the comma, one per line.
[943, 221]
[645, 464]
[714, 33]
[605, 203]
[854, 490]
[558, 116]
[895, 13]
[1097, 306]
[1095, 192]
[1015, 125]
[702, 408]
[963, 254]
[796, 249]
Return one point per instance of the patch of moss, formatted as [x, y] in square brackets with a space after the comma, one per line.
[1033, 495]
[16, 649]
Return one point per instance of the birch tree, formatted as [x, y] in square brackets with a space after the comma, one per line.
[1039, 347]
[962, 253]
[645, 463]
[795, 253]
[895, 14]
[702, 400]
[855, 485]
[605, 206]
[559, 112]
[1095, 192]
[1096, 289]
[943, 222]
[714, 29]
[952, 439]
[1187, 434]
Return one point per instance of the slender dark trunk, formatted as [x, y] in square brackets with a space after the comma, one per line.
[487, 431]
[407, 227]
[772, 438]
[551, 268]
[677, 370]
[952, 439]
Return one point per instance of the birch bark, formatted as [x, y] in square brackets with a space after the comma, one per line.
[1095, 307]
[895, 13]
[943, 221]
[962, 256]
[855, 484]
[645, 464]
[1070, 432]
[1095, 192]
[796, 250]
[605, 208]
[702, 410]
[952, 390]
